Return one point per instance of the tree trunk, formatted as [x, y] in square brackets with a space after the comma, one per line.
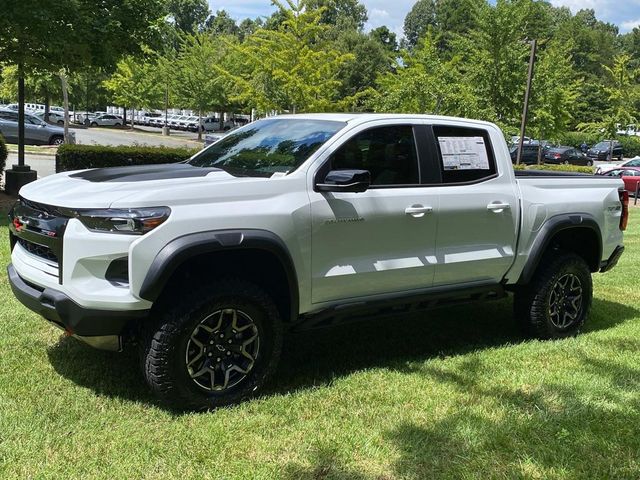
[65, 98]
[133, 117]
[199, 125]
[221, 121]
[46, 104]
[124, 116]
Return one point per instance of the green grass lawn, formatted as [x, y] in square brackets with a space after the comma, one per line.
[451, 394]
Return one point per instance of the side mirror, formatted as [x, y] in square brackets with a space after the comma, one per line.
[354, 181]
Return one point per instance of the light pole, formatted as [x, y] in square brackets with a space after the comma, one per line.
[525, 110]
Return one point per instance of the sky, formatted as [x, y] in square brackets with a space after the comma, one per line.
[624, 13]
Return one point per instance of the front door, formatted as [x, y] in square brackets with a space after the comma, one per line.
[381, 240]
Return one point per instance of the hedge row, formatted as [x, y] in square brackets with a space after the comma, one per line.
[556, 168]
[4, 153]
[78, 157]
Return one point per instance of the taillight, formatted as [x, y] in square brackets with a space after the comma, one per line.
[624, 218]
[557, 155]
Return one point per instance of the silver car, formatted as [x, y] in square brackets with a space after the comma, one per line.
[36, 131]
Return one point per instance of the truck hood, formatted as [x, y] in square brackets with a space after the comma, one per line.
[102, 187]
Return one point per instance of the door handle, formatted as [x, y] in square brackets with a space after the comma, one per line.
[417, 211]
[498, 207]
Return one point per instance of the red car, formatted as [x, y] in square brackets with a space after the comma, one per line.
[630, 176]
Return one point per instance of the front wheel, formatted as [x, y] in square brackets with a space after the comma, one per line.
[56, 140]
[212, 348]
[557, 301]
[589, 163]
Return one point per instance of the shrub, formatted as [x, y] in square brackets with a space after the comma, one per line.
[79, 157]
[3, 153]
[556, 168]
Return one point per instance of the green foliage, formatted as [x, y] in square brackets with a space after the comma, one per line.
[189, 16]
[4, 153]
[292, 67]
[340, 12]
[73, 33]
[78, 157]
[553, 100]
[418, 20]
[222, 24]
[136, 83]
[562, 168]
[423, 82]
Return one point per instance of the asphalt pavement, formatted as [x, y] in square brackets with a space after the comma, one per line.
[140, 136]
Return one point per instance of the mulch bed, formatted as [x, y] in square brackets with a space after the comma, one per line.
[6, 201]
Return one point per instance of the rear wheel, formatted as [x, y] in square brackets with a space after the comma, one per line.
[557, 301]
[94, 124]
[117, 125]
[215, 347]
[566, 162]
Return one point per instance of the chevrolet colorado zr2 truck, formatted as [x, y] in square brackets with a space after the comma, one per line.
[302, 221]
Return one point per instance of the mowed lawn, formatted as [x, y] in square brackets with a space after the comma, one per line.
[454, 394]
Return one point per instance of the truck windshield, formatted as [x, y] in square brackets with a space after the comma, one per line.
[267, 146]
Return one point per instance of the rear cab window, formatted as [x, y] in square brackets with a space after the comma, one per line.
[465, 155]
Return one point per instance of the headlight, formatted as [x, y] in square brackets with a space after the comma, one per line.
[131, 221]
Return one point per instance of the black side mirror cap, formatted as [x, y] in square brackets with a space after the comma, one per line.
[354, 181]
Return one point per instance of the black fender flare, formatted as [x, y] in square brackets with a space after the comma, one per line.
[181, 249]
[548, 230]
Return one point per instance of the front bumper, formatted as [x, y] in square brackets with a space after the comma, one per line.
[612, 261]
[99, 328]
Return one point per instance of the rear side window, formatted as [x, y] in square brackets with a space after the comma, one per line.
[465, 154]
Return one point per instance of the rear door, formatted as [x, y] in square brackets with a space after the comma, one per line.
[478, 212]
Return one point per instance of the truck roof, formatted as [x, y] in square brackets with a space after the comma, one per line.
[357, 118]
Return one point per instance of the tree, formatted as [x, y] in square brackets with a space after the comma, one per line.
[423, 82]
[418, 20]
[188, 16]
[369, 60]
[135, 84]
[198, 82]
[222, 24]
[385, 37]
[65, 35]
[291, 68]
[345, 12]
[555, 91]
[622, 93]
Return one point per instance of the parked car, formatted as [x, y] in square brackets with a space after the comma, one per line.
[106, 120]
[181, 261]
[529, 153]
[515, 140]
[212, 124]
[54, 117]
[567, 156]
[36, 130]
[634, 162]
[148, 116]
[602, 151]
[630, 176]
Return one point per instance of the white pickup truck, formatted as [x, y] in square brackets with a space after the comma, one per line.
[303, 221]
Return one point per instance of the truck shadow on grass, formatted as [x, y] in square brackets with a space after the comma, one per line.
[316, 358]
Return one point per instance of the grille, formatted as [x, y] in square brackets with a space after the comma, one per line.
[38, 250]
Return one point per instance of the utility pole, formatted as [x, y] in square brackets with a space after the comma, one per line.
[525, 110]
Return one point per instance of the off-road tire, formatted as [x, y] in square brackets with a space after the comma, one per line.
[164, 343]
[535, 303]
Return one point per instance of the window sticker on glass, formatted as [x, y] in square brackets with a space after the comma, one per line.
[464, 153]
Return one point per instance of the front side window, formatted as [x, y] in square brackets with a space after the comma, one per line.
[388, 153]
[268, 146]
